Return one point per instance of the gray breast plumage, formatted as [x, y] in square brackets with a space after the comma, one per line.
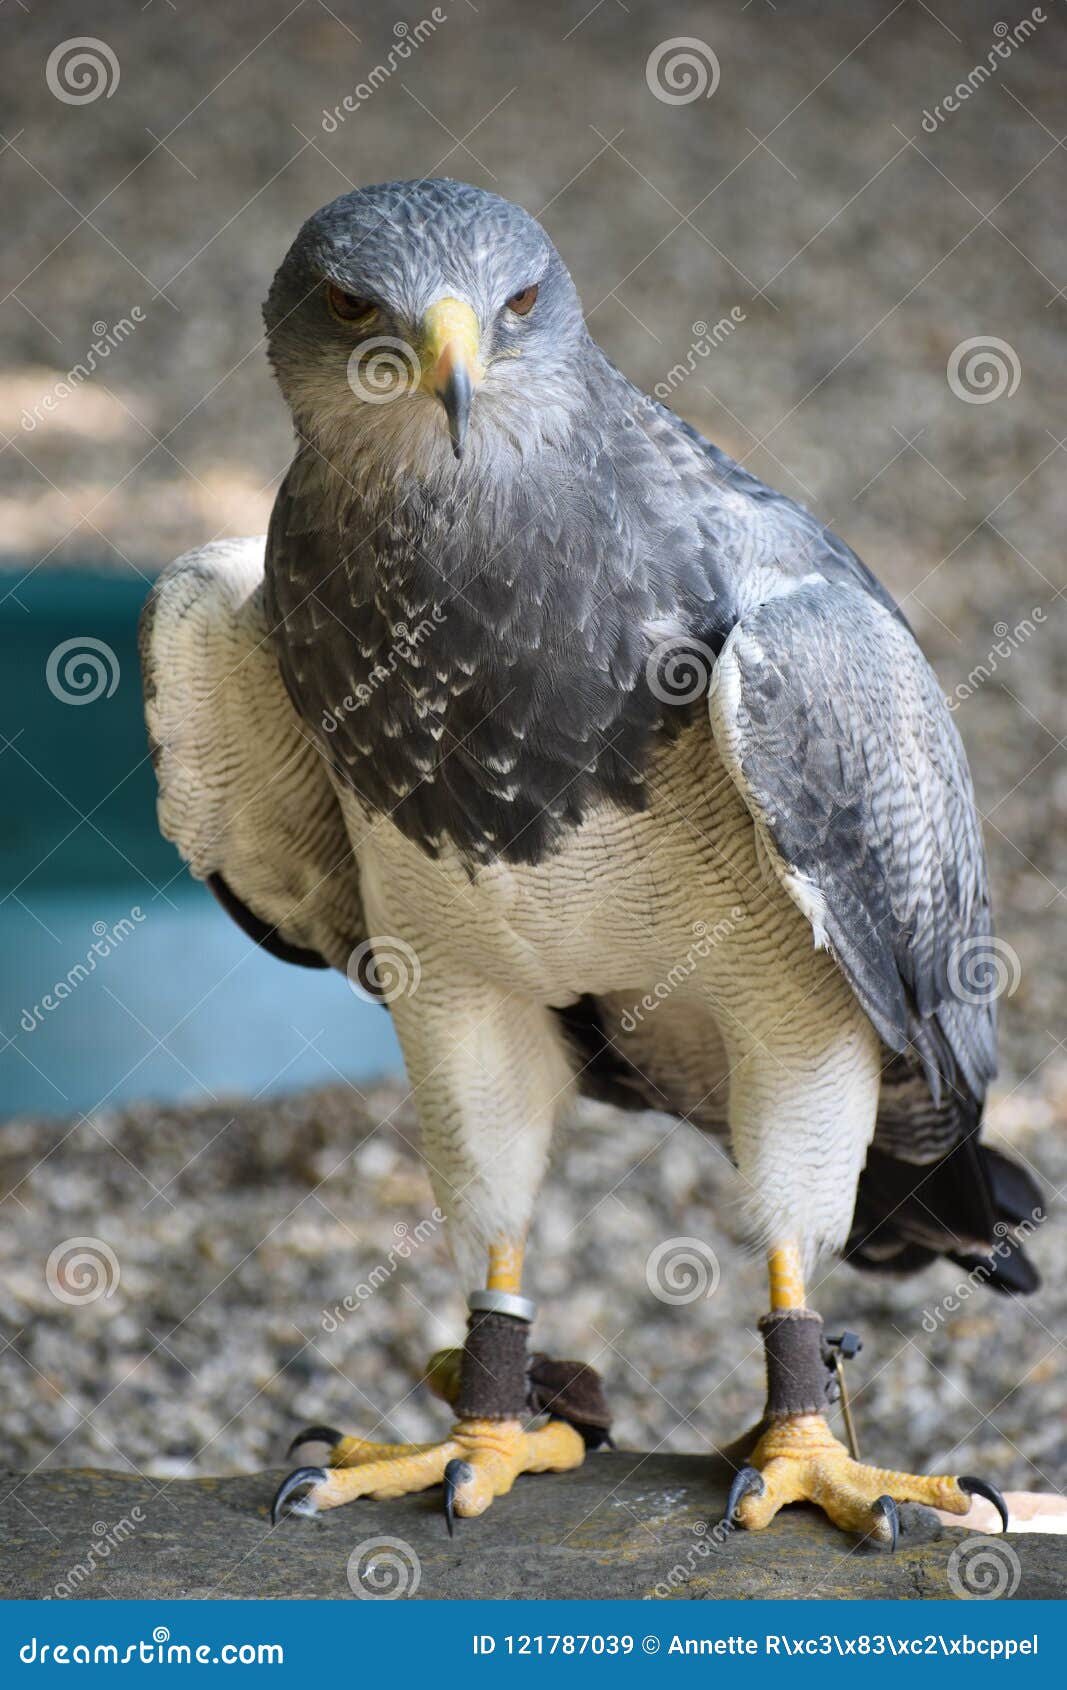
[480, 680]
[475, 665]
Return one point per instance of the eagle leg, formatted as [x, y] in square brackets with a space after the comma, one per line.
[798, 1458]
[488, 1383]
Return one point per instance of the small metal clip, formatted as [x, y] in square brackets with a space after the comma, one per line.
[845, 1346]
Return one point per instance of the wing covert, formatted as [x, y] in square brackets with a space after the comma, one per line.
[833, 728]
[243, 793]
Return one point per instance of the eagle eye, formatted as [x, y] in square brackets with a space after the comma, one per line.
[348, 307]
[522, 303]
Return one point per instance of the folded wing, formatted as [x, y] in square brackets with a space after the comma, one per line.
[243, 793]
[832, 725]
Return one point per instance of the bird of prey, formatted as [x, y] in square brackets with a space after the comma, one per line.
[616, 773]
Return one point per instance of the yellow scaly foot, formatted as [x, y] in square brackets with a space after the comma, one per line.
[485, 1451]
[480, 1460]
[800, 1460]
[796, 1457]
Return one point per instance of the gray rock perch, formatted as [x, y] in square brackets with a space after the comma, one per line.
[623, 1525]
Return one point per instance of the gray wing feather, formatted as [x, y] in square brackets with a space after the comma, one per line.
[833, 727]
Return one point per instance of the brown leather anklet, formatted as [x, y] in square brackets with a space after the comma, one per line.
[492, 1376]
[799, 1363]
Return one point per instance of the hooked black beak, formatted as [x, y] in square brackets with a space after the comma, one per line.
[455, 396]
[450, 359]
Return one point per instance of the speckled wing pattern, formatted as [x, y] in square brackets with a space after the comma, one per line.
[243, 793]
[483, 692]
[833, 728]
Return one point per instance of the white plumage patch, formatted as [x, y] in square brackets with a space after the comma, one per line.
[724, 701]
[809, 899]
[243, 793]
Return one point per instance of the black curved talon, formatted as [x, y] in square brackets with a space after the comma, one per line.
[979, 1487]
[297, 1480]
[748, 1481]
[886, 1506]
[316, 1435]
[458, 1472]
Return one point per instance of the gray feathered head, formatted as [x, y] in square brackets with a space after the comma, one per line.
[423, 320]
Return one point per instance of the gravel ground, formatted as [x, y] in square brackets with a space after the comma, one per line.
[862, 250]
[237, 1233]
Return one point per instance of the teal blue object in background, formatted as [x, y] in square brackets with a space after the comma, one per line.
[120, 977]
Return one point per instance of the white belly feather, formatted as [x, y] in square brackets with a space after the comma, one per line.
[706, 972]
